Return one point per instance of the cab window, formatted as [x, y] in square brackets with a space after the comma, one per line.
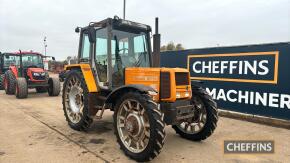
[102, 55]
[10, 60]
[85, 51]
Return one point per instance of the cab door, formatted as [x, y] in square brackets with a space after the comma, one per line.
[85, 47]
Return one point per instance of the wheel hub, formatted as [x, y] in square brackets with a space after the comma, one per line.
[133, 125]
[75, 99]
[195, 124]
[197, 114]
[78, 99]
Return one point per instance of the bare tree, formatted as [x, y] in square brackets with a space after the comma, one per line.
[71, 59]
[179, 47]
[171, 47]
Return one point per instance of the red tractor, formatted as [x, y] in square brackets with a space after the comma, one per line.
[30, 74]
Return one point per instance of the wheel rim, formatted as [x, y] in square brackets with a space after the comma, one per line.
[74, 100]
[133, 126]
[196, 124]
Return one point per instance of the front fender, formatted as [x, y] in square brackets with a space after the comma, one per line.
[14, 70]
[87, 74]
[130, 87]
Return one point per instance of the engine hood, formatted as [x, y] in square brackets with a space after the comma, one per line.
[36, 74]
[35, 69]
[170, 83]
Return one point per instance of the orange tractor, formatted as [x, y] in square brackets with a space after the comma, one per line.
[118, 71]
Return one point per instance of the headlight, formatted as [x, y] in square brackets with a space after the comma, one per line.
[36, 74]
[178, 95]
[152, 93]
[182, 94]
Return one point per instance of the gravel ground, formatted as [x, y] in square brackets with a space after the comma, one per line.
[35, 130]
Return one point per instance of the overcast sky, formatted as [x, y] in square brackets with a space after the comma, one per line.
[194, 23]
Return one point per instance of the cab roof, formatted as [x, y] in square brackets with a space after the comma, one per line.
[26, 52]
[8, 53]
[116, 22]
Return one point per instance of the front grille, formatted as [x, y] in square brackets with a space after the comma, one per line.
[39, 77]
[181, 78]
[165, 87]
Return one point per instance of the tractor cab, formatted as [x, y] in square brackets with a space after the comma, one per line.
[113, 45]
[32, 66]
[32, 60]
[7, 60]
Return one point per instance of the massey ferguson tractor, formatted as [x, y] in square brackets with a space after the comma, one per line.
[118, 71]
[29, 74]
[7, 60]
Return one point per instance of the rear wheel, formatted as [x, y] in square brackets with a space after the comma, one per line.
[54, 87]
[21, 90]
[203, 124]
[139, 127]
[75, 102]
[41, 89]
[2, 81]
[9, 82]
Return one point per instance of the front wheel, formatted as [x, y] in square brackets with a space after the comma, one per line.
[21, 90]
[53, 87]
[76, 101]
[204, 122]
[139, 127]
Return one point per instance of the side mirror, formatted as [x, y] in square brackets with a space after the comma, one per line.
[77, 30]
[53, 58]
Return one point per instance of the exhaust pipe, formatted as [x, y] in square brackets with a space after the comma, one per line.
[156, 46]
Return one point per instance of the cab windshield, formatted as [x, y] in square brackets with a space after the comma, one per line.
[32, 60]
[128, 49]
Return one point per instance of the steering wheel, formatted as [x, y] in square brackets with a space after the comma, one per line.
[123, 49]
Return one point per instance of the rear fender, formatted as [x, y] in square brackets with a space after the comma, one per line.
[87, 73]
